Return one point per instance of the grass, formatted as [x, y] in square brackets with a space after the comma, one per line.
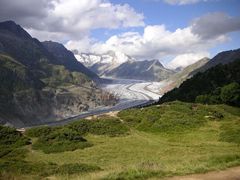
[135, 174]
[210, 142]
[231, 132]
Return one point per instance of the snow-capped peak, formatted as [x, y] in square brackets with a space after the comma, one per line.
[111, 57]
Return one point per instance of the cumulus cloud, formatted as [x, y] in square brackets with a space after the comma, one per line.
[84, 45]
[186, 45]
[215, 24]
[184, 60]
[73, 18]
[157, 42]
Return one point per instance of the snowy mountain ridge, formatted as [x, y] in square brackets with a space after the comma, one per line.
[112, 58]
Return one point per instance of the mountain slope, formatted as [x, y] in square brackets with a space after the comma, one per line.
[40, 85]
[66, 58]
[210, 82]
[142, 70]
[224, 57]
[177, 79]
[15, 41]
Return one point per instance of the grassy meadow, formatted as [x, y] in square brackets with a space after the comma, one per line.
[154, 142]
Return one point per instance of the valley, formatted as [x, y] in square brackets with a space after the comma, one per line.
[130, 93]
[120, 99]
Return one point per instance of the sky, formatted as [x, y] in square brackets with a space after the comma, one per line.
[177, 32]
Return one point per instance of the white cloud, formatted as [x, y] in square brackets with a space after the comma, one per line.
[46, 35]
[155, 42]
[72, 18]
[84, 45]
[186, 45]
[184, 60]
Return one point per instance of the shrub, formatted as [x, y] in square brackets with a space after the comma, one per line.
[39, 131]
[81, 126]
[204, 99]
[108, 126]
[59, 140]
[230, 94]
[10, 137]
[102, 126]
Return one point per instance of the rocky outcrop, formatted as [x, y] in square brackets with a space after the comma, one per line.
[30, 107]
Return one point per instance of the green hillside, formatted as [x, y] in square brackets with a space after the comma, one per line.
[159, 141]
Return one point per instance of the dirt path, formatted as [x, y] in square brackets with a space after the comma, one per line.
[229, 174]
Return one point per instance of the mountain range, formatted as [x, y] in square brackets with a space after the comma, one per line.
[120, 66]
[44, 81]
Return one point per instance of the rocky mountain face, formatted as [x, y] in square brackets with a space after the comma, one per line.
[224, 57]
[178, 78]
[119, 65]
[151, 70]
[42, 82]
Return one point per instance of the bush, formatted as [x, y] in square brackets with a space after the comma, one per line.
[59, 140]
[12, 138]
[102, 126]
[230, 94]
[109, 126]
[81, 126]
[39, 131]
[204, 99]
